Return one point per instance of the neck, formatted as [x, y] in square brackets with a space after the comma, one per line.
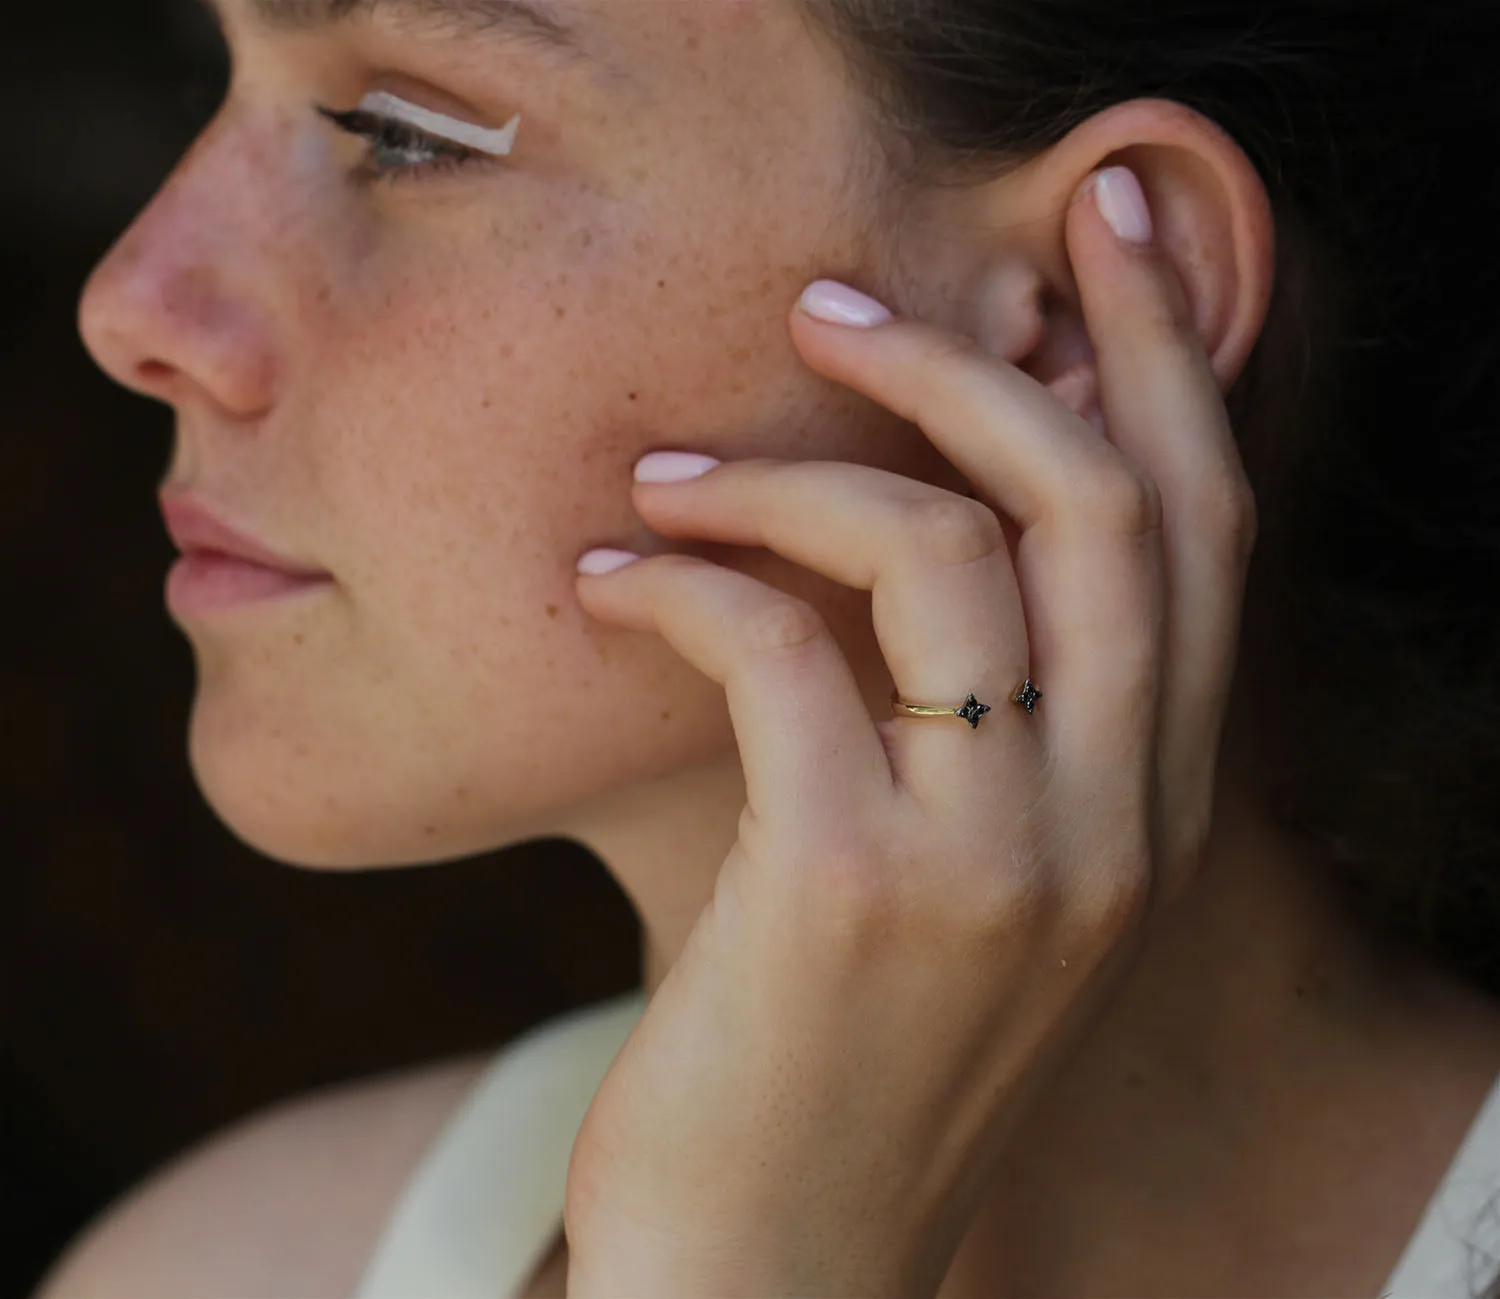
[1220, 1131]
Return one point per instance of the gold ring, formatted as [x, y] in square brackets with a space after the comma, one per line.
[971, 710]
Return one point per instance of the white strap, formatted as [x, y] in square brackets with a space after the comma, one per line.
[1455, 1252]
[485, 1204]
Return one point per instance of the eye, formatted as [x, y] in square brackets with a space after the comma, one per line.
[401, 152]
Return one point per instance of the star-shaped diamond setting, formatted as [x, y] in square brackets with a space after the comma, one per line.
[1028, 696]
[972, 711]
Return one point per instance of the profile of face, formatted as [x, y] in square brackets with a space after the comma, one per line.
[432, 384]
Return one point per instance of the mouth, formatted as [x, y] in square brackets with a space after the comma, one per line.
[222, 569]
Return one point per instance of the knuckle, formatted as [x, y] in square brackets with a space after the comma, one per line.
[1242, 519]
[946, 363]
[952, 529]
[674, 562]
[851, 895]
[783, 626]
[1191, 847]
[1226, 514]
[1191, 820]
[1166, 319]
[1028, 900]
[1126, 502]
[1114, 901]
[947, 347]
[855, 890]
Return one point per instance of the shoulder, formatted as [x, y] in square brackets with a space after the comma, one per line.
[290, 1200]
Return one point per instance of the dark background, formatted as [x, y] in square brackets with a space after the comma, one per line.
[158, 979]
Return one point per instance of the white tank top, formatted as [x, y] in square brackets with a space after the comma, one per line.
[484, 1206]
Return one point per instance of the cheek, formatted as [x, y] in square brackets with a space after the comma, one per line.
[461, 446]
[460, 466]
[455, 691]
[466, 460]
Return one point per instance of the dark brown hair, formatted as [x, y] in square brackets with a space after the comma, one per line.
[1367, 414]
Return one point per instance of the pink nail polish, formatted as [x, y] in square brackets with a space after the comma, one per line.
[1123, 204]
[673, 467]
[838, 304]
[598, 562]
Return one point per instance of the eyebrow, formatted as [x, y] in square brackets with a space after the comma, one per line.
[516, 21]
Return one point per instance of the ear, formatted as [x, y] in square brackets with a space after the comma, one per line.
[991, 260]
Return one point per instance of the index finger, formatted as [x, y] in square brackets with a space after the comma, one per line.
[1164, 408]
[1162, 397]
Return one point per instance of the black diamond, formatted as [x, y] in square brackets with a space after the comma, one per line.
[972, 711]
[1028, 696]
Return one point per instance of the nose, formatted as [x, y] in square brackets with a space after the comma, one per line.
[176, 309]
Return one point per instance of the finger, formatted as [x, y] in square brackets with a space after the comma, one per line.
[808, 746]
[1087, 557]
[946, 606]
[1164, 408]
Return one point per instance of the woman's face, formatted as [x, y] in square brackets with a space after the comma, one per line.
[434, 388]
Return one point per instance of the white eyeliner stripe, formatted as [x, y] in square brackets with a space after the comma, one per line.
[464, 133]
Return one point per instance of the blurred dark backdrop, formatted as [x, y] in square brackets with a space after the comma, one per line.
[158, 979]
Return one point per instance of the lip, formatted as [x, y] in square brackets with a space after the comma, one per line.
[222, 568]
[194, 530]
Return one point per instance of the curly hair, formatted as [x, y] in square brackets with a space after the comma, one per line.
[1366, 415]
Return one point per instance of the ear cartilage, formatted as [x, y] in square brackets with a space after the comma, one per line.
[465, 133]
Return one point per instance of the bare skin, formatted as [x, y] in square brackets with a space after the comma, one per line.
[436, 389]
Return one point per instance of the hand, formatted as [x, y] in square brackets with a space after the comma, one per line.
[920, 917]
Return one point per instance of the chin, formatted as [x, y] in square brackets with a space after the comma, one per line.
[317, 812]
[310, 835]
[284, 807]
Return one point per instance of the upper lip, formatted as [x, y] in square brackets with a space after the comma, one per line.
[195, 530]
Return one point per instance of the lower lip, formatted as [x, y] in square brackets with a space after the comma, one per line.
[210, 583]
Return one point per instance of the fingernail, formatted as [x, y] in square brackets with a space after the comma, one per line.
[1123, 204]
[673, 467]
[838, 304]
[598, 562]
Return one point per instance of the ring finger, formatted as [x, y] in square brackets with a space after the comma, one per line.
[945, 601]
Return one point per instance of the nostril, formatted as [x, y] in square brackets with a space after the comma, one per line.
[153, 371]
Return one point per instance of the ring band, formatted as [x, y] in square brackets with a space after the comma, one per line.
[971, 710]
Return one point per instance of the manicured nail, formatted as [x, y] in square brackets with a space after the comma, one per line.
[1123, 204]
[838, 304]
[598, 562]
[673, 467]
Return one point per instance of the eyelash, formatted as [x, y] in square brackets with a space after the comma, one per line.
[401, 137]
